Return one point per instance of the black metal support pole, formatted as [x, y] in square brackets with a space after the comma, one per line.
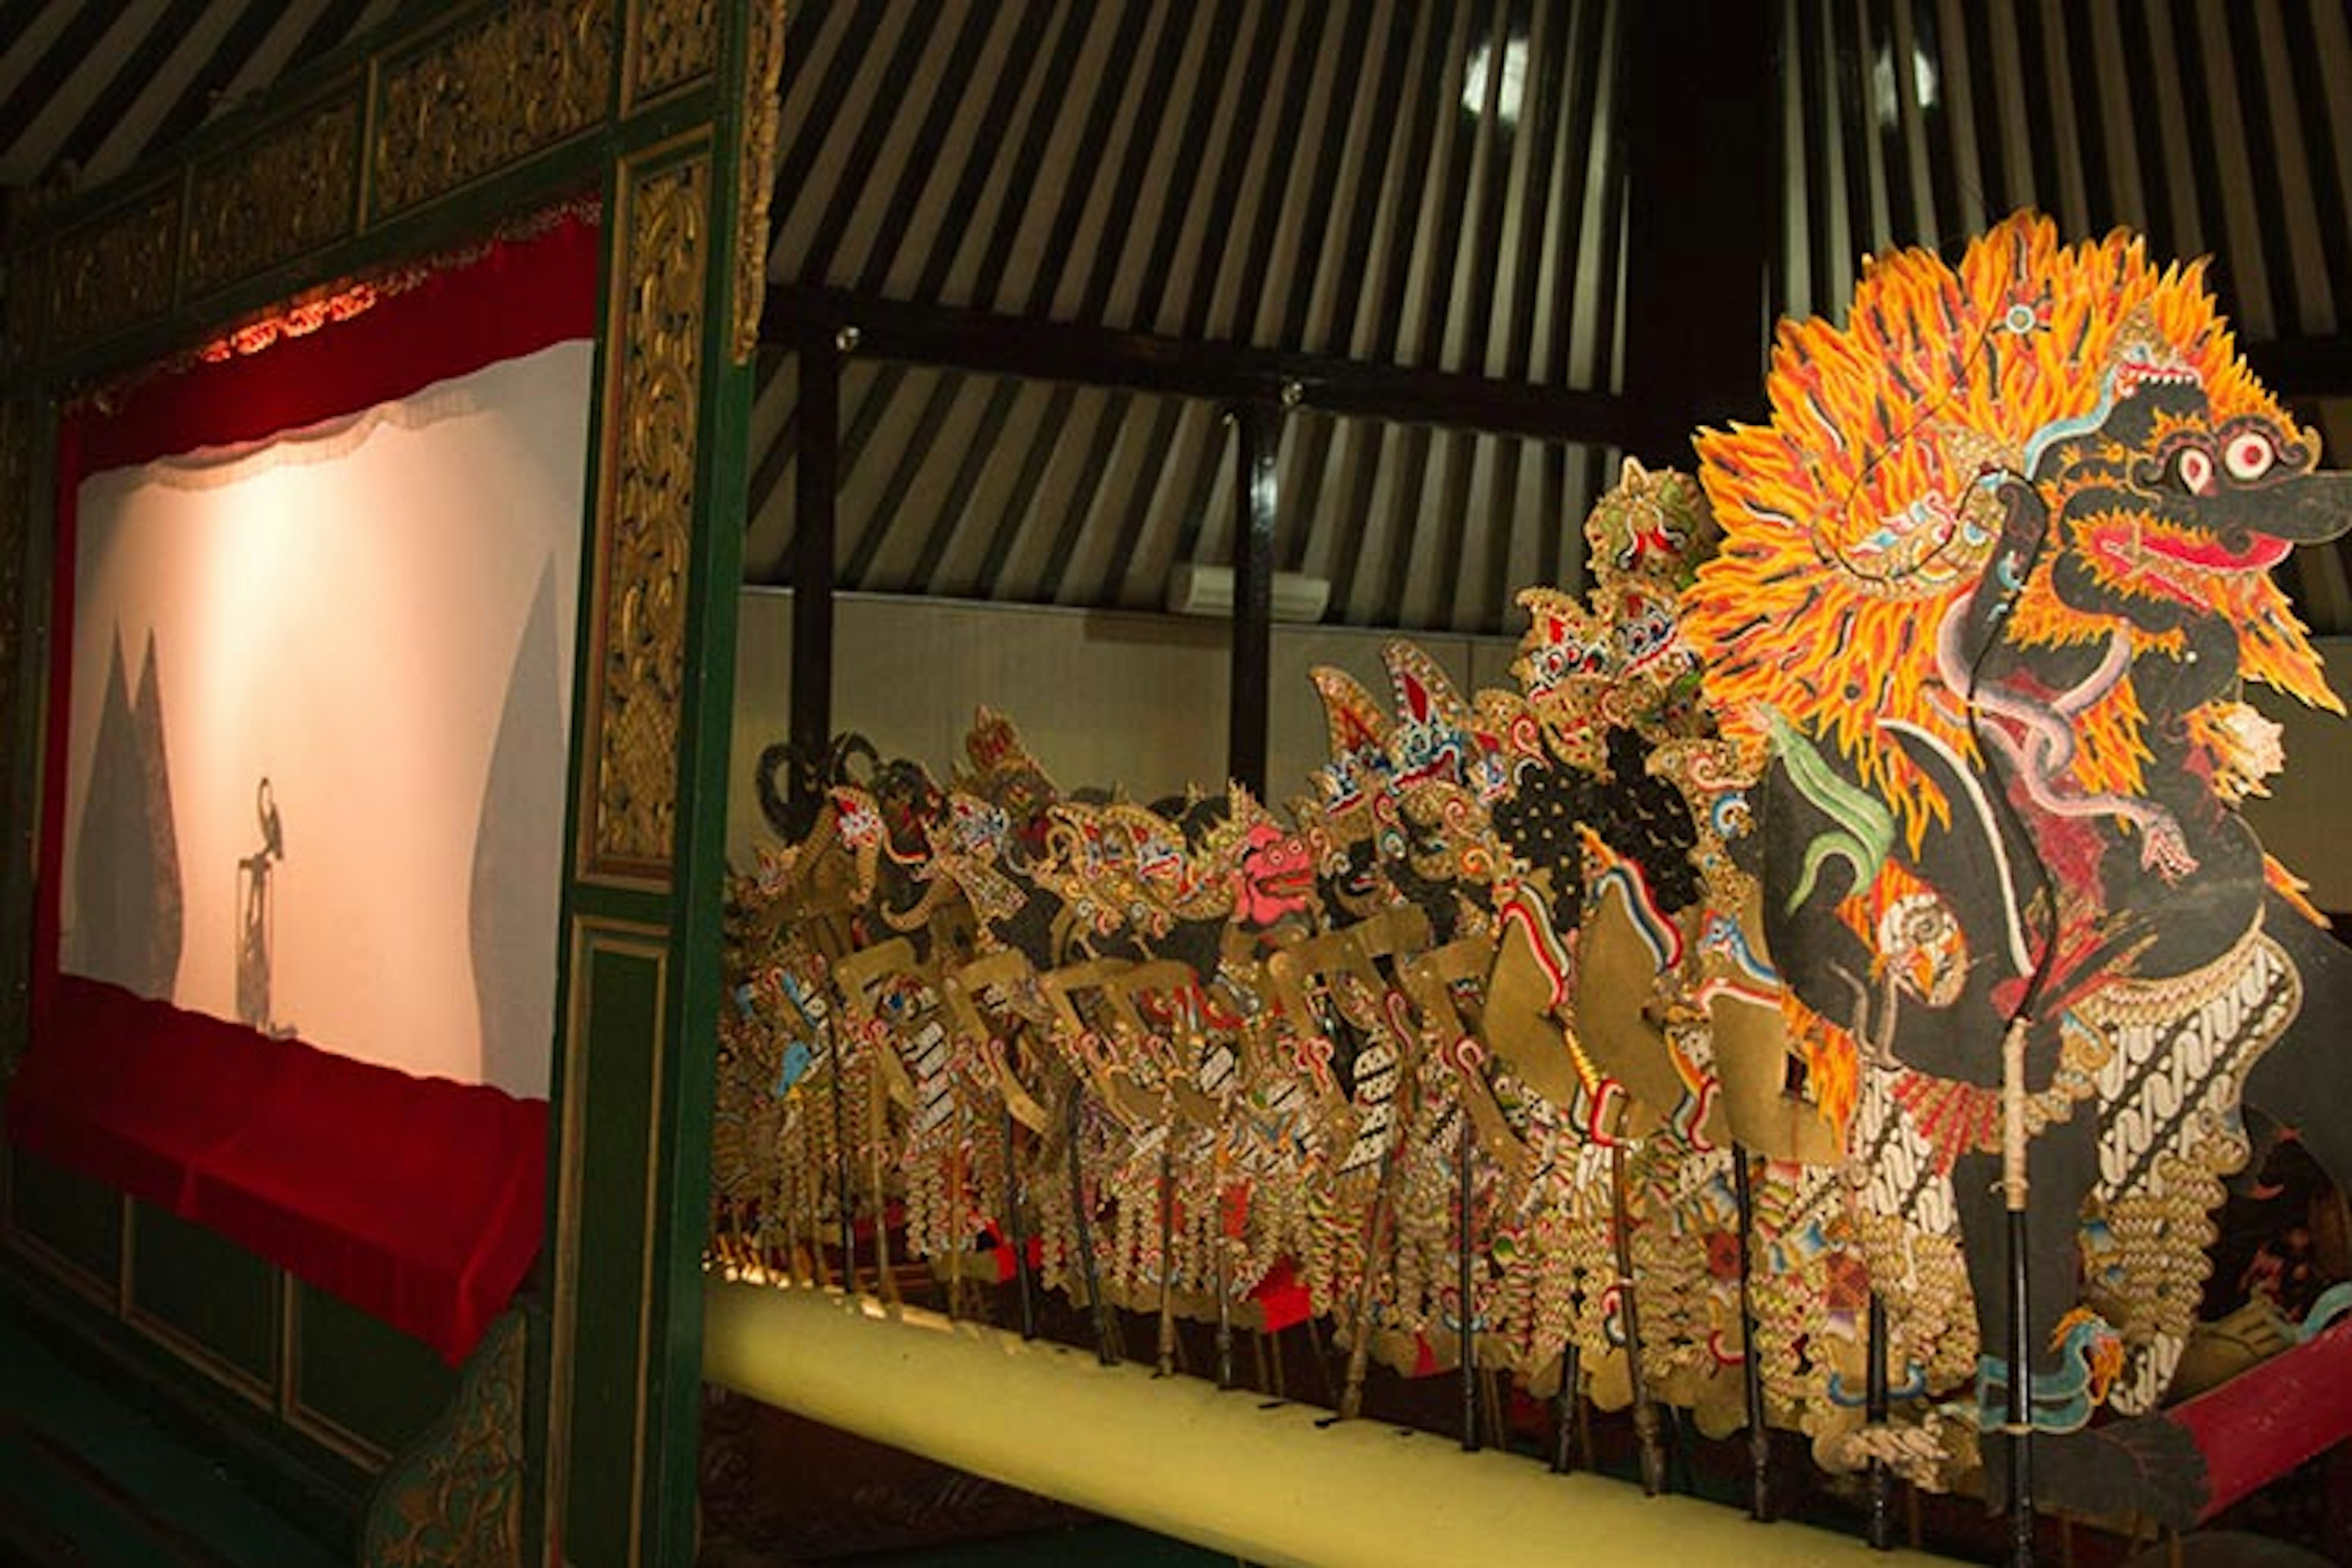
[1751, 1370]
[1698, 155]
[816, 489]
[1257, 440]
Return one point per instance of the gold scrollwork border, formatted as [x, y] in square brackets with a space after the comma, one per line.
[291, 191]
[645, 512]
[671, 43]
[763, 118]
[523, 78]
[114, 272]
[456, 1495]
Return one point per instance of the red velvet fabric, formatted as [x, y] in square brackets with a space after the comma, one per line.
[518, 298]
[422, 1200]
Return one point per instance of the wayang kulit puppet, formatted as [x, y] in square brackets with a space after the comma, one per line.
[1993, 580]
[1856, 855]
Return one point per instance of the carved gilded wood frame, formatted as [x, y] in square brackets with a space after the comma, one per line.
[456, 118]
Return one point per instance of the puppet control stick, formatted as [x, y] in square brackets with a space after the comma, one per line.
[2019, 1429]
[1090, 1270]
[1019, 1236]
[1751, 1371]
[1881, 1525]
[1467, 1285]
[1572, 1374]
[1645, 1408]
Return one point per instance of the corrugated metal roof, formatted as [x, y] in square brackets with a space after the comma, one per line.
[88, 89]
[1435, 187]
[2219, 127]
[1430, 184]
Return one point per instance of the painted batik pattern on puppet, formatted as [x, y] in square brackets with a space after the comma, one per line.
[1994, 578]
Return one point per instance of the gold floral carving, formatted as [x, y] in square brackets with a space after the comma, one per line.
[456, 1495]
[647, 516]
[524, 77]
[115, 271]
[671, 43]
[763, 116]
[274, 199]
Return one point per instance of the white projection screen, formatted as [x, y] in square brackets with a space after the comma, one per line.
[377, 617]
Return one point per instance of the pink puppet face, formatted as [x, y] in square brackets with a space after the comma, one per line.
[1276, 875]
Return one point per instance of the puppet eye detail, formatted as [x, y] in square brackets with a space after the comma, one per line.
[2193, 469]
[2250, 455]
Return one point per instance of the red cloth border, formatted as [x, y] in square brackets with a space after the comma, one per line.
[421, 1200]
[520, 296]
[2271, 1417]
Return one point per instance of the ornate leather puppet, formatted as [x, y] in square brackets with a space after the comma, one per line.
[771, 1138]
[1611, 881]
[1993, 579]
[889, 816]
[780, 1136]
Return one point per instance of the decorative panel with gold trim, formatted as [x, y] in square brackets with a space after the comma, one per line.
[671, 43]
[611, 1132]
[114, 272]
[274, 199]
[523, 78]
[206, 1300]
[646, 518]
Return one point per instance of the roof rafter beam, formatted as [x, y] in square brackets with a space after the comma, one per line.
[994, 344]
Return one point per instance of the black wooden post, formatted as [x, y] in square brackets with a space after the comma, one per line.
[815, 493]
[1257, 440]
[1698, 149]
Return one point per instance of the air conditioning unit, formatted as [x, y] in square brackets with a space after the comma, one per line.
[1199, 590]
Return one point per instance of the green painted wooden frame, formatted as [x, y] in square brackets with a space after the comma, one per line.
[430, 133]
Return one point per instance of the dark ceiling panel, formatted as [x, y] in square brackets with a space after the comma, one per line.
[1430, 184]
[89, 89]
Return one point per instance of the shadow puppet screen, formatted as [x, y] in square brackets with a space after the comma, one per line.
[319, 728]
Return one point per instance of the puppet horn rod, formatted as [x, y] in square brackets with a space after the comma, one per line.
[1271, 1483]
